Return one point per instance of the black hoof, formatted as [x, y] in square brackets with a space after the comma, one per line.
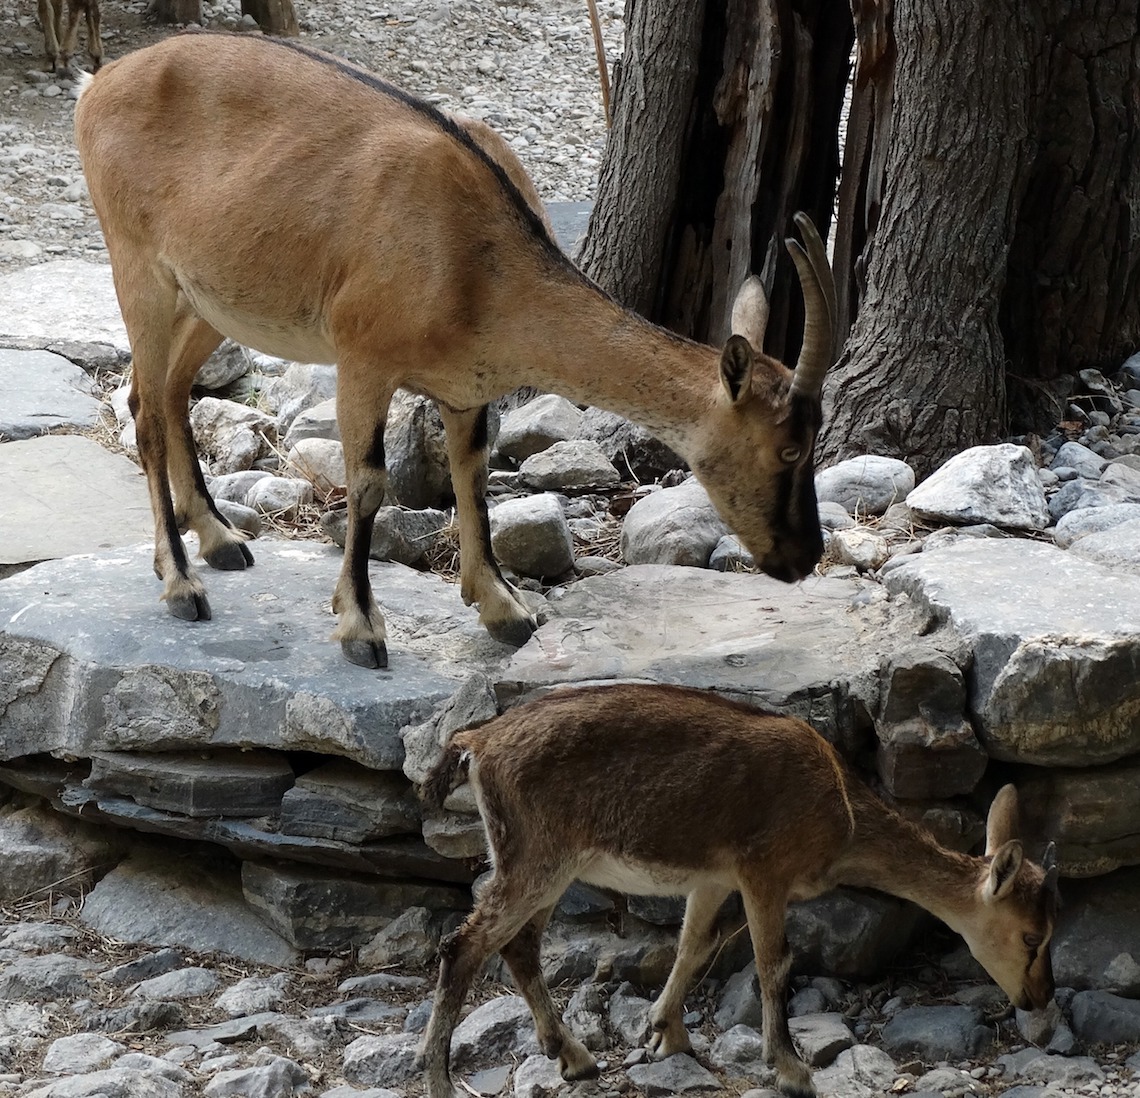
[231, 556]
[189, 607]
[514, 632]
[373, 654]
[592, 1072]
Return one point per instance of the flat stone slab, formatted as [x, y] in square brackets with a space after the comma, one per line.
[64, 299]
[1055, 679]
[90, 660]
[41, 391]
[65, 494]
[802, 648]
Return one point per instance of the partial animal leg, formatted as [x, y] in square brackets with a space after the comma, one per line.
[360, 630]
[698, 938]
[71, 36]
[94, 35]
[554, 1037]
[500, 913]
[51, 19]
[220, 544]
[148, 301]
[765, 908]
[501, 610]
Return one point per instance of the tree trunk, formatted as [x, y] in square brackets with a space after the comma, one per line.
[177, 11]
[724, 124]
[993, 175]
[273, 16]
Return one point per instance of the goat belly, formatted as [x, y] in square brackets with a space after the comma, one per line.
[645, 878]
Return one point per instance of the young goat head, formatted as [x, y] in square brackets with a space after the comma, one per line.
[306, 208]
[660, 790]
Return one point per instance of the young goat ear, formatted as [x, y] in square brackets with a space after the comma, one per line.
[1003, 869]
[750, 312]
[1002, 822]
[736, 369]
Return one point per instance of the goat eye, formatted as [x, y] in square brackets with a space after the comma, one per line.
[1032, 941]
[790, 455]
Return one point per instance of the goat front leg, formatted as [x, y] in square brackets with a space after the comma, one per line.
[362, 416]
[522, 954]
[51, 19]
[501, 610]
[698, 938]
[765, 908]
[94, 35]
[221, 546]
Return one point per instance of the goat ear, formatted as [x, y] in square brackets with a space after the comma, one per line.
[736, 368]
[750, 312]
[1002, 822]
[1003, 870]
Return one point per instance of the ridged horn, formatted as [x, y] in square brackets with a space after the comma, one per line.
[818, 286]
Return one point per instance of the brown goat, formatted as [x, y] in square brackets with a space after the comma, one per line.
[657, 790]
[60, 43]
[260, 189]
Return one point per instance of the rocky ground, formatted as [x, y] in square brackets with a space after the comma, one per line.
[84, 1014]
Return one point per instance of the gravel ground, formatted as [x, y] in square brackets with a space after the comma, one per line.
[528, 68]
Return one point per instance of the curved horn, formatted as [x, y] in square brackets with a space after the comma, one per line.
[818, 287]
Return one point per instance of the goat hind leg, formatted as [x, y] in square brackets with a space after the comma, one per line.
[698, 938]
[51, 19]
[554, 1037]
[765, 911]
[501, 609]
[221, 546]
[94, 35]
[360, 628]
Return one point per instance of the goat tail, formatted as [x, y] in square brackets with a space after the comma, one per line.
[82, 83]
[449, 771]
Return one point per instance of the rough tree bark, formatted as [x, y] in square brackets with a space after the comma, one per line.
[273, 16]
[724, 124]
[988, 234]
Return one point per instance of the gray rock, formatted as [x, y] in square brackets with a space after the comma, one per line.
[531, 536]
[1099, 1017]
[1092, 520]
[860, 1072]
[832, 516]
[538, 1077]
[255, 995]
[730, 555]
[282, 497]
[490, 1081]
[473, 703]
[629, 447]
[570, 466]
[1038, 1026]
[80, 1053]
[240, 517]
[229, 362]
[352, 1092]
[41, 391]
[53, 976]
[183, 983]
[235, 487]
[415, 450]
[996, 484]
[409, 939]
[1082, 494]
[536, 425]
[279, 1078]
[319, 421]
[454, 834]
[190, 904]
[314, 908]
[739, 1003]
[397, 534]
[820, 1038]
[347, 802]
[1036, 1066]
[499, 1028]
[224, 783]
[865, 485]
[585, 1015]
[629, 1014]
[63, 299]
[261, 673]
[860, 547]
[1115, 548]
[380, 1061]
[740, 1050]
[38, 850]
[1054, 657]
[933, 1033]
[320, 461]
[677, 1074]
[673, 526]
[113, 1082]
[1072, 455]
[849, 933]
[143, 968]
[233, 435]
[300, 386]
[67, 495]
